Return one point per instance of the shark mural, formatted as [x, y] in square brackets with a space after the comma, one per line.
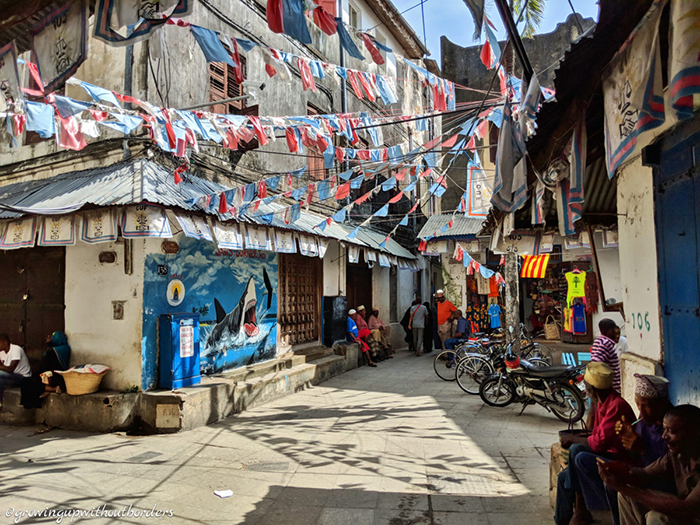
[234, 293]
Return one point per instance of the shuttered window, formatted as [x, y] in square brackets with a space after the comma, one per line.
[222, 85]
[317, 169]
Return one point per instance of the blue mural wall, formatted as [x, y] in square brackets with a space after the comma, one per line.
[234, 293]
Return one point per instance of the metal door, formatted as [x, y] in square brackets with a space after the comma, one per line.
[32, 297]
[677, 201]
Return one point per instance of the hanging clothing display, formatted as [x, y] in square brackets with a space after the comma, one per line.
[284, 242]
[493, 287]
[576, 283]
[482, 285]
[194, 226]
[495, 316]
[579, 325]
[568, 319]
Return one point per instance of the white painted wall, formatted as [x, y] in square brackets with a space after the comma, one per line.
[334, 270]
[638, 260]
[94, 336]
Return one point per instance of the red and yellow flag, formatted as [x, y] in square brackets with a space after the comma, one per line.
[534, 266]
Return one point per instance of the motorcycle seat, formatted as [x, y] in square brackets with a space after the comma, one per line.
[545, 371]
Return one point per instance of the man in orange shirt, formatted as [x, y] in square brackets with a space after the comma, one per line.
[444, 317]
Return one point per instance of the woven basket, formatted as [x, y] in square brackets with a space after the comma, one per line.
[80, 383]
[551, 328]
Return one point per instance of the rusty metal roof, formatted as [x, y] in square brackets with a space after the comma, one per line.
[461, 227]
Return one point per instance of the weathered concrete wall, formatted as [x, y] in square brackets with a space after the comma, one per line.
[638, 259]
[463, 65]
[95, 337]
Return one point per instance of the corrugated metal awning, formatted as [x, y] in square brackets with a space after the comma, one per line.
[461, 227]
[144, 180]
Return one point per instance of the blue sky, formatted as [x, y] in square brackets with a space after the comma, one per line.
[452, 19]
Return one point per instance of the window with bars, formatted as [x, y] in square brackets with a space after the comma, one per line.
[222, 85]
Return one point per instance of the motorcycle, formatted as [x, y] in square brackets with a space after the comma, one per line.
[557, 388]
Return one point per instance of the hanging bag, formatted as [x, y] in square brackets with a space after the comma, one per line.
[551, 328]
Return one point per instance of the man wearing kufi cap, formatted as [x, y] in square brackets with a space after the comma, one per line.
[579, 486]
[644, 437]
[355, 335]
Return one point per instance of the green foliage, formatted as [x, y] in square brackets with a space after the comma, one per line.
[133, 389]
[534, 13]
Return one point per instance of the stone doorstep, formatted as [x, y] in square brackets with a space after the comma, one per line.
[215, 399]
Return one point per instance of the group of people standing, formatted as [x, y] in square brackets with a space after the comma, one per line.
[445, 325]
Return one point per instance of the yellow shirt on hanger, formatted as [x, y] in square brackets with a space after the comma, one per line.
[576, 282]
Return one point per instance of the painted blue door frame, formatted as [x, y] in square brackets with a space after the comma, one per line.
[677, 216]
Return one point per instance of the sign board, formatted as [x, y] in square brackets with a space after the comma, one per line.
[186, 341]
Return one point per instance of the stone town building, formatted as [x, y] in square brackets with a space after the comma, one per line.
[107, 296]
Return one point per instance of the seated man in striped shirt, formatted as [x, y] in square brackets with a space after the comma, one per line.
[603, 349]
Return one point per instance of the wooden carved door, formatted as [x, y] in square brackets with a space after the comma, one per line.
[299, 299]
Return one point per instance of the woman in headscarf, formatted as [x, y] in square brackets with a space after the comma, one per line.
[44, 380]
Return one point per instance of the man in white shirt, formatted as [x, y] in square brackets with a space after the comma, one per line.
[14, 365]
[417, 325]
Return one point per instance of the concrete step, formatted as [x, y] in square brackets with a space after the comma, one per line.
[216, 398]
[313, 353]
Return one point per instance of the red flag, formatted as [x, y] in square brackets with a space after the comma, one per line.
[396, 198]
[307, 79]
[450, 142]
[259, 132]
[426, 172]
[262, 189]
[275, 20]
[339, 154]
[292, 142]
[364, 197]
[237, 69]
[364, 154]
[310, 191]
[401, 175]
[343, 191]
[422, 245]
[69, 134]
[372, 48]
[355, 86]
[325, 21]
[180, 169]
[365, 86]
[223, 208]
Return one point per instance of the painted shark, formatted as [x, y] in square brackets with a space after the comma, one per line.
[242, 319]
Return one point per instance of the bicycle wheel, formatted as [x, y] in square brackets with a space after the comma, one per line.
[572, 407]
[497, 391]
[471, 371]
[445, 364]
[536, 350]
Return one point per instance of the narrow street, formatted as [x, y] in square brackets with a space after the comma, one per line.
[392, 445]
